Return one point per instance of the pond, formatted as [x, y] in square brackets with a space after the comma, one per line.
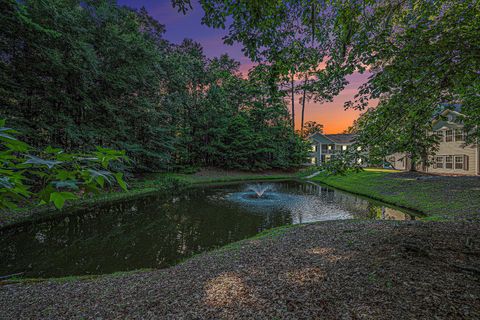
[160, 230]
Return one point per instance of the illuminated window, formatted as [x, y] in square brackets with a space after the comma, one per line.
[313, 160]
[313, 148]
[449, 162]
[449, 136]
[359, 148]
[344, 148]
[329, 147]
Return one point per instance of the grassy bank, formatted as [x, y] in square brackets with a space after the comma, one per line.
[140, 186]
[439, 197]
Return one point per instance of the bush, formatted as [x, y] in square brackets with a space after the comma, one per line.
[52, 175]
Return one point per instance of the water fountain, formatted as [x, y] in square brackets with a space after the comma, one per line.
[259, 189]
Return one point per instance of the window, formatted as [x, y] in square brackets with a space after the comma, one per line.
[344, 148]
[313, 148]
[449, 162]
[439, 162]
[459, 162]
[313, 160]
[459, 135]
[439, 134]
[329, 147]
[449, 136]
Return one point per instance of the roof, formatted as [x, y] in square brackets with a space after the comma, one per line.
[342, 138]
[444, 108]
[333, 138]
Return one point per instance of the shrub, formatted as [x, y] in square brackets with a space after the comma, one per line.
[52, 175]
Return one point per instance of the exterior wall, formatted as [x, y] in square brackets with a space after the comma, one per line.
[457, 149]
[314, 155]
[451, 148]
[320, 153]
[399, 161]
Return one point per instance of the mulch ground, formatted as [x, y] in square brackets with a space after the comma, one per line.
[329, 270]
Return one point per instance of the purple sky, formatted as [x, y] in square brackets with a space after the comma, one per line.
[180, 26]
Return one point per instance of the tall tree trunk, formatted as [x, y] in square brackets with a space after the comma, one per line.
[293, 103]
[306, 74]
[303, 103]
[413, 166]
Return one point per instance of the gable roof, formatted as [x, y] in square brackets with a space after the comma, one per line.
[439, 122]
[342, 138]
[333, 138]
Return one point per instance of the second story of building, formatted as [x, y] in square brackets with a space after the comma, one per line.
[454, 155]
[326, 146]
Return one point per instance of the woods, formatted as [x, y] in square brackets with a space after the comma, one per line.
[80, 74]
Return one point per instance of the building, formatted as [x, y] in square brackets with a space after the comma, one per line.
[454, 156]
[326, 146]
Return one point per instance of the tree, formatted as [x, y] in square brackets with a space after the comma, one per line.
[421, 54]
[79, 74]
[312, 127]
[76, 76]
[294, 36]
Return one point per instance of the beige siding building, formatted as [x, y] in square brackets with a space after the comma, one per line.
[454, 156]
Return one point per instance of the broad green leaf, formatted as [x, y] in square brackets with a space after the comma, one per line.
[37, 161]
[120, 181]
[59, 198]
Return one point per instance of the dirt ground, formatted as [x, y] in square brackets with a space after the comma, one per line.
[330, 270]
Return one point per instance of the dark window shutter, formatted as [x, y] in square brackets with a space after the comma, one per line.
[465, 163]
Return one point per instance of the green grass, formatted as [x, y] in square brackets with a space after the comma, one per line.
[439, 198]
[72, 278]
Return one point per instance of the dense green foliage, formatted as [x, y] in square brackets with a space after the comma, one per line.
[76, 74]
[424, 56]
[421, 54]
[51, 175]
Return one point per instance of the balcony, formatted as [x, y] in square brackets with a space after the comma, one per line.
[327, 151]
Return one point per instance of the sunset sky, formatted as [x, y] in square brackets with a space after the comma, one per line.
[332, 115]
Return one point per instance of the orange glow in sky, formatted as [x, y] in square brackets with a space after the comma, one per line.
[332, 115]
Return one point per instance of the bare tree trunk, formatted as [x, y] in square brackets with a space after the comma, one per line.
[306, 73]
[293, 103]
[413, 166]
[303, 103]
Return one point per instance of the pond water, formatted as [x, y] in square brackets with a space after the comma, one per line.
[161, 230]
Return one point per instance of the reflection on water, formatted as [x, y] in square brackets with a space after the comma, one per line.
[158, 231]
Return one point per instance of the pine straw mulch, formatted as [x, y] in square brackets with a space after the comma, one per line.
[329, 270]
